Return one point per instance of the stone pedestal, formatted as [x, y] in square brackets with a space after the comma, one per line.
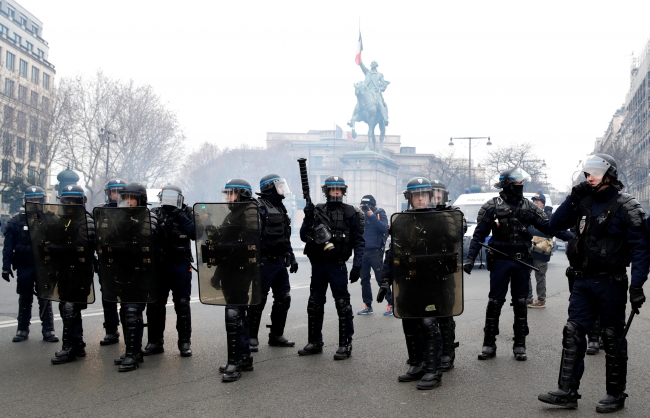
[367, 172]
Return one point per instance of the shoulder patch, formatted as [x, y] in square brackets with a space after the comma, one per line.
[633, 211]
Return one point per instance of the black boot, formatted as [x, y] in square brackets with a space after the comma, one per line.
[234, 328]
[594, 343]
[520, 328]
[111, 323]
[346, 329]
[73, 345]
[568, 380]
[278, 320]
[447, 327]
[133, 329]
[184, 326]
[491, 330]
[47, 321]
[414, 348]
[24, 316]
[110, 338]
[315, 313]
[254, 324]
[156, 317]
[432, 343]
[246, 364]
[616, 372]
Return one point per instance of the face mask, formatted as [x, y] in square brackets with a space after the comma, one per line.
[516, 190]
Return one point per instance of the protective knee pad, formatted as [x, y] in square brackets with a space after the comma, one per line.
[413, 340]
[234, 320]
[132, 317]
[314, 308]
[67, 311]
[343, 308]
[492, 313]
[182, 307]
[572, 354]
[611, 339]
[432, 343]
[283, 303]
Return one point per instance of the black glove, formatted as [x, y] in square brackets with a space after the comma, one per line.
[580, 191]
[384, 287]
[636, 298]
[294, 264]
[176, 212]
[354, 273]
[309, 211]
[6, 274]
[468, 266]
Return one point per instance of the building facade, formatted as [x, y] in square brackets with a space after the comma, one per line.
[26, 84]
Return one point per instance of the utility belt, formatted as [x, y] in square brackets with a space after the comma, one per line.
[571, 273]
[522, 255]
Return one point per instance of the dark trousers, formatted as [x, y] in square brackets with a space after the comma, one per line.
[332, 273]
[372, 259]
[25, 288]
[506, 272]
[274, 277]
[176, 278]
[594, 297]
[111, 317]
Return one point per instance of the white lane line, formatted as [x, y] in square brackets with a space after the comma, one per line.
[100, 311]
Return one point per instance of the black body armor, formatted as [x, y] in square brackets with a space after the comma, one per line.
[276, 229]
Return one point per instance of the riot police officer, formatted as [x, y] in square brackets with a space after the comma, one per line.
[609, 235]
[111, 317]
[424, 342]
[175, 233]
[235, 290]
[73, 345]
[132, 195]
[508, 217]
[17, 254]
[277, 255]
[332, 231]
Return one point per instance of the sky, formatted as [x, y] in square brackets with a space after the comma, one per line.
[550, 73]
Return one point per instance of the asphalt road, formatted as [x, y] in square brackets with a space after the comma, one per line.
[284, 384]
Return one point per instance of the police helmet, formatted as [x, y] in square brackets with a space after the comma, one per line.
[334, 183]
[236, 190]
[511, 176]
[73, 195]
[113, 185]
[271, 181]
[133, 194]
[418, 187]
[34, 194]
[171, 195]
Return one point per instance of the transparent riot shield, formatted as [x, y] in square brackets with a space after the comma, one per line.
[127, 262]
[63, 256]
[427, 252]
[228, 253]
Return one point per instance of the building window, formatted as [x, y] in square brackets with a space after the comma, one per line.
[22, 70]
[46, 104]
[35, 72]
[35, 30]
[46, 81]
[23, 20]
[9, 115]
[34, 99]
[7, 144]
[33, 126]
[20, 148]
[22, 93]
[22, 122]
[30, 46]
[6, 170]
[9, 87]
[317, 161]
[41, 54]
[32, 150]
[45, 128]
[17, 38]
[4, 30]
[11, 12]
[32, 175]
[19, 171]
[11, 61]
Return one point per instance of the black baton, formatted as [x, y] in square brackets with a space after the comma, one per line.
[509, 257]
[627, 328]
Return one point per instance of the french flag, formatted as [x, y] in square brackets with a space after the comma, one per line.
[357, 59]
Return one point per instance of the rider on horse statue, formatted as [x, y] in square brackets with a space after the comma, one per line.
[377, 85]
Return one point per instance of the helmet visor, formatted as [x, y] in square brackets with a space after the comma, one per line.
[421, 198]
[280, 185]
[128, 200]
[518, 175]
[440, 197]
[594, 165]
[229, 195]
[170, 198]
[335, 193]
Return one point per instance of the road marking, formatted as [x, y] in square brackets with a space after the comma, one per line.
[100, 311]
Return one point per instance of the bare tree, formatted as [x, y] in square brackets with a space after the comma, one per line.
[99, 114]
[521, 155]
[450, 170]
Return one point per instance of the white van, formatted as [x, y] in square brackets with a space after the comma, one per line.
[471, 203]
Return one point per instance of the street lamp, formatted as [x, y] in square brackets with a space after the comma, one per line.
[106, 136]
[451, 144]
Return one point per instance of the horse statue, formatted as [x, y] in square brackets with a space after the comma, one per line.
[369, 109]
